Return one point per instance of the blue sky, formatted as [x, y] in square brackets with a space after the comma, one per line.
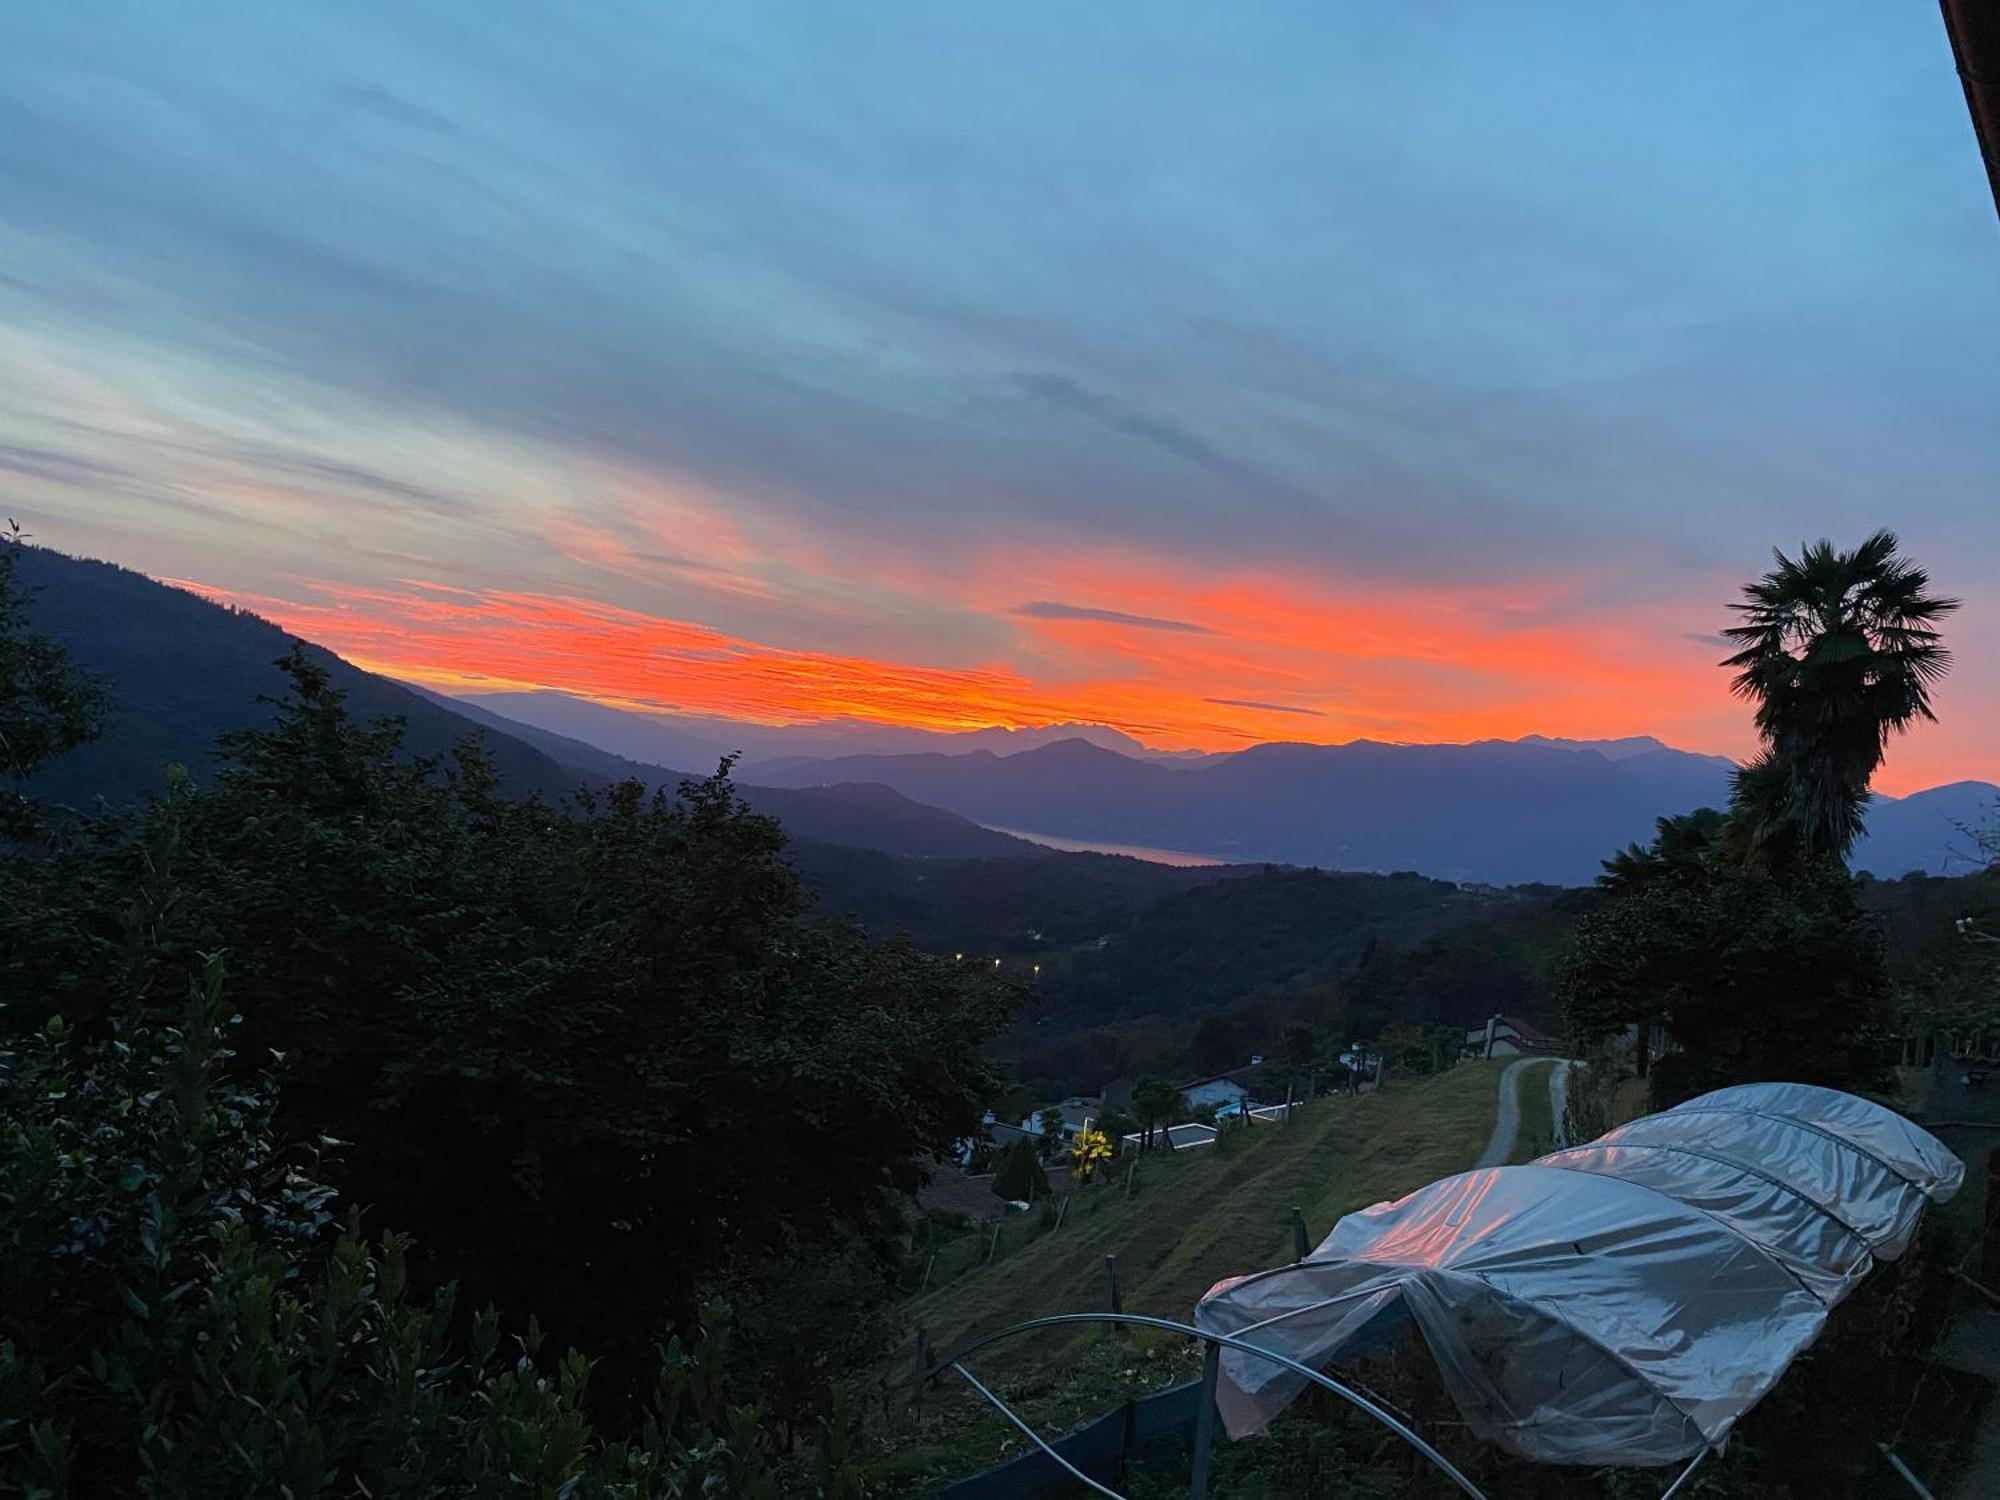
[1445, 366]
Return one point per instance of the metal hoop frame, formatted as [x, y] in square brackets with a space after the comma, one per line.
[1213, 1345]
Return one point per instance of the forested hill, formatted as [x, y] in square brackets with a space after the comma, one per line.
[863, 815]
[1200, 980]
[180, 670]
[1276, 932]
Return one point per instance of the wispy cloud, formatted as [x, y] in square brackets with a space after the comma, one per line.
[1064, 394]
[1501, 680]
[1049, 609]
[1269, 708]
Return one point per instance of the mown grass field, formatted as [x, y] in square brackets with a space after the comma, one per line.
[1194, 1218]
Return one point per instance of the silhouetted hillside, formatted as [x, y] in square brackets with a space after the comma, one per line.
[867, 816]
[1203, 978]
[1274, 931]
[1022, 910]
[182, 669]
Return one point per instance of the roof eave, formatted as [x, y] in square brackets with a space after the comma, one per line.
[1974, 29]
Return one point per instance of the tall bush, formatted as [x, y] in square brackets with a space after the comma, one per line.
[181, 1317]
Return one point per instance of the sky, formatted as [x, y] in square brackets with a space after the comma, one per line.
[1430, 371]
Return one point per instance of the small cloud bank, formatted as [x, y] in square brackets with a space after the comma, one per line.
[1048, 609]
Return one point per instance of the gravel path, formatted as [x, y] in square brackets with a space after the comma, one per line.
[1507, 1124]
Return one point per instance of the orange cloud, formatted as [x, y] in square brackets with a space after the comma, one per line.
[1270, 657]
[1364, 666]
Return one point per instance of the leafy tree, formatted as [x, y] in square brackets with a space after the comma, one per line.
[1278, 1081]
[1743, 932]
[1756, 977]
[1420, 1049]
[1018, 1177]
[803, 1327]
[1681, 857]
[1944, 940]
[1089, 1151]
[594, 1057]
[1681, 845]
[1116, 1124]
[1297, 1045]
[1224, 1039]
[179, 1319]
[1462, 975]
[1154, 1101]
[1050, 1122]
[47, 705]
[1838, 651]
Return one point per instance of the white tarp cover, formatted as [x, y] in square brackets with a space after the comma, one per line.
[1623, 1302]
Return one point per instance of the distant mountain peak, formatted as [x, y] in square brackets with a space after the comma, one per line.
[1074, 747]
[661, 734]
[1617, 749]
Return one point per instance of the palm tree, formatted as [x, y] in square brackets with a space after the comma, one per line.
[1153, 1099]
[1839, 651]
[1681, 844]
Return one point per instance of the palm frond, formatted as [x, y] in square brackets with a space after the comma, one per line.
[1838, 651]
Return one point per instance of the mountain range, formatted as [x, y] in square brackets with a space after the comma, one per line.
[1539, 809]
[1501, 812]
[691, 740]
[1495, 812]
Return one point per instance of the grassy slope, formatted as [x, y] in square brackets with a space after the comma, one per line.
[1197, 1217]
[1194, 1219]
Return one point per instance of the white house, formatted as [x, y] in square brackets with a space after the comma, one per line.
[1509, 1036]
[1229, 1092]
[1222, 1091]
[991, 1133]
[1077, 1111]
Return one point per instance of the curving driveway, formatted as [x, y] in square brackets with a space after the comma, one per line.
[1507, 1123]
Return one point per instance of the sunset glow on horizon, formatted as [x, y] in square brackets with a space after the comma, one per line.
[1272, 376]
[457, 640]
